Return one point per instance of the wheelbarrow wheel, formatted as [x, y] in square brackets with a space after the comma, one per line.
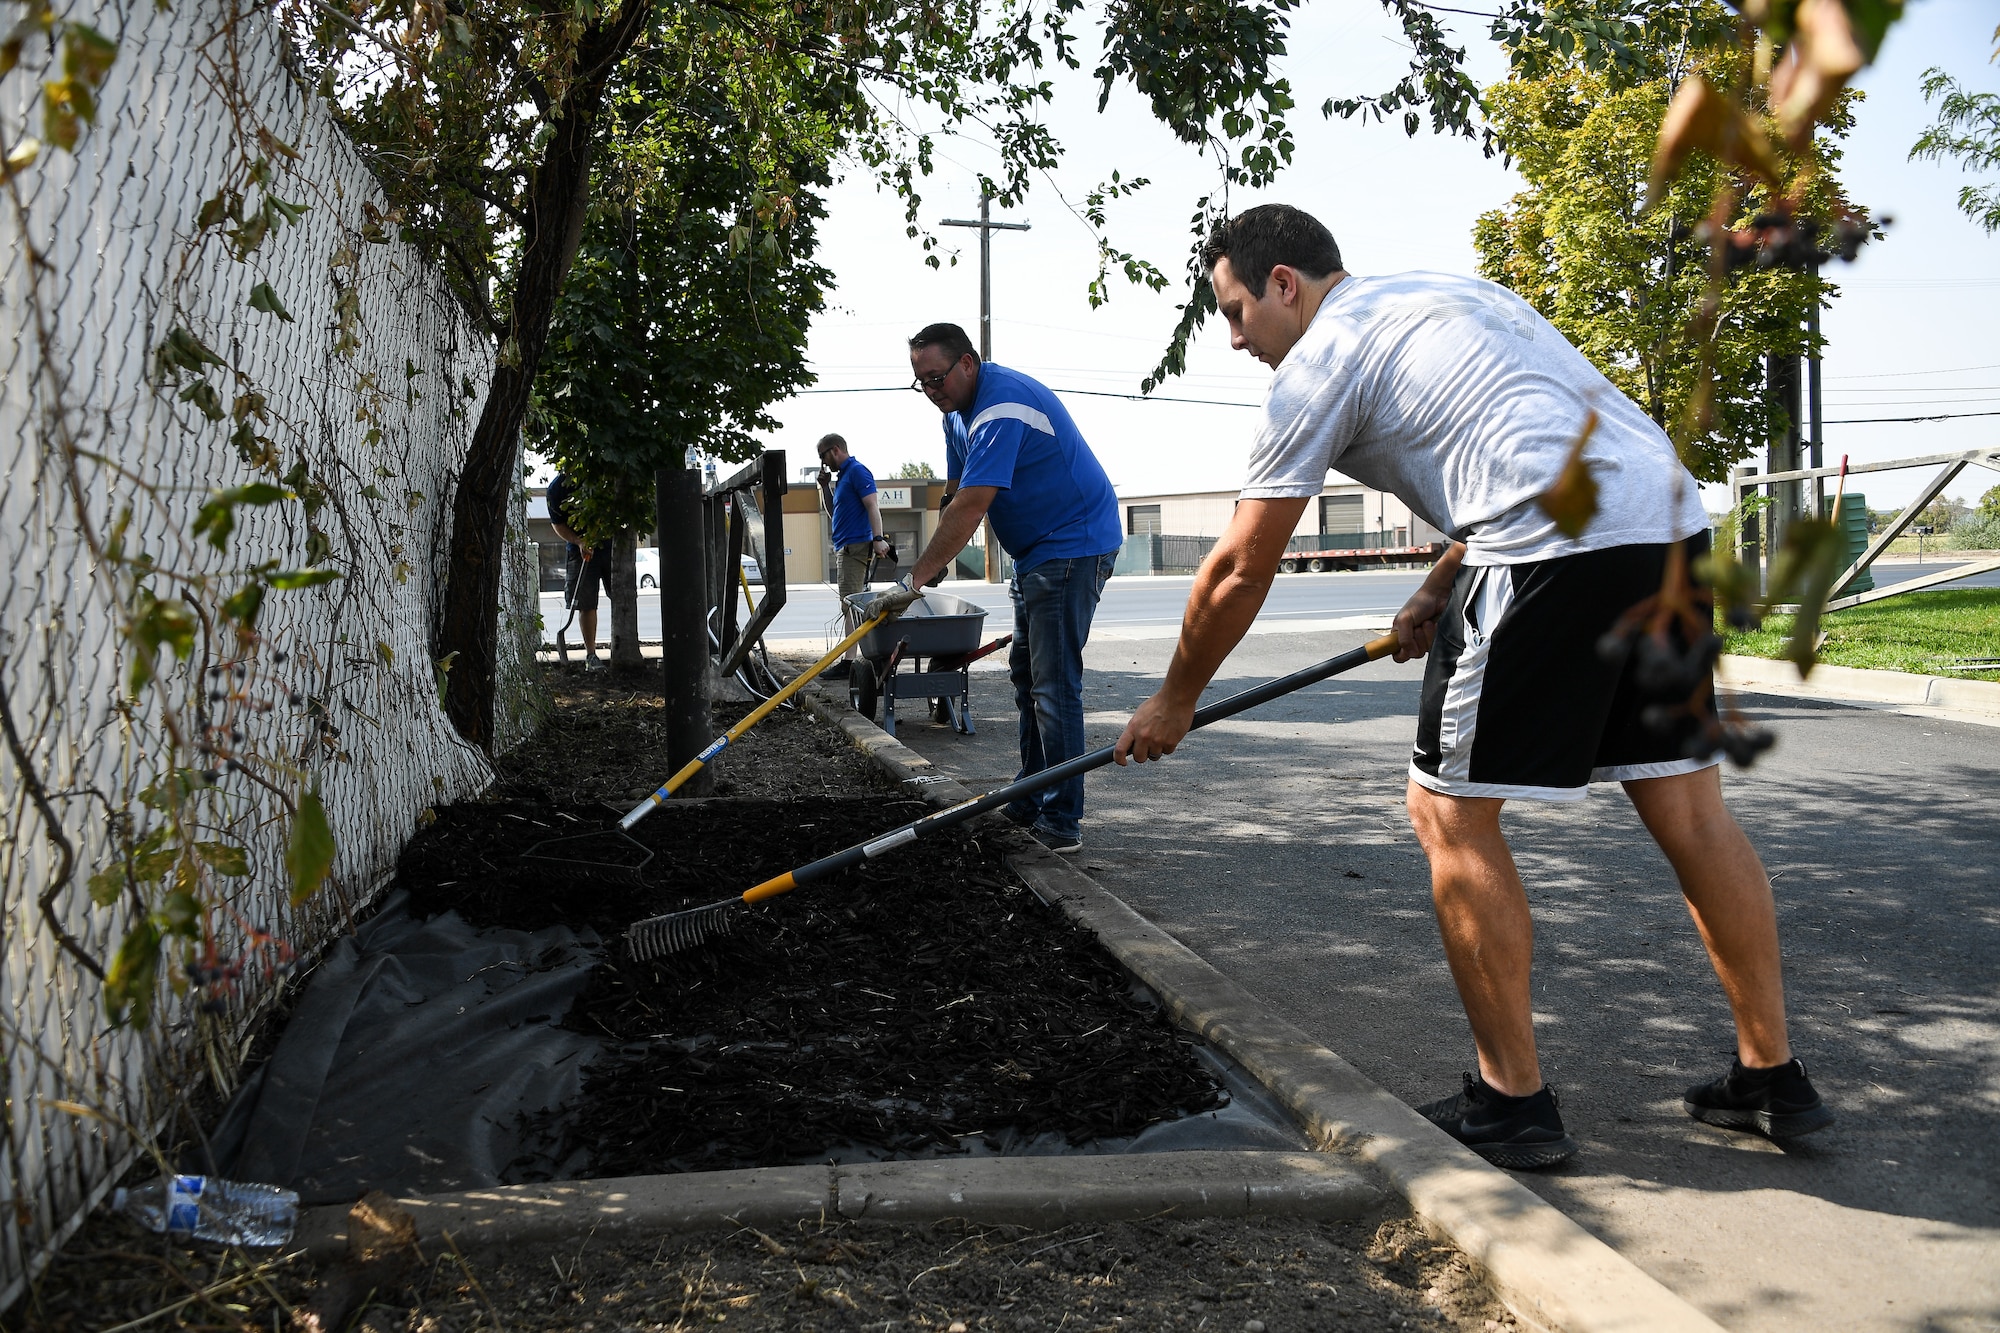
[862, 691]
[940, 712]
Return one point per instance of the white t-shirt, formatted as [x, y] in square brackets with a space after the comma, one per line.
[1453, 395]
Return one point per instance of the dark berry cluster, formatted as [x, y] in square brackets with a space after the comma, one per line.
[1779, 240]
[238, 691]
[1661, 667]
[216, 978]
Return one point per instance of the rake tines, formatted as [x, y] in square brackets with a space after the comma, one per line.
[675, 932]
[610, 853]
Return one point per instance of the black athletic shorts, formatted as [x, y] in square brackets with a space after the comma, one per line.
[584, 580]
[1517, 702]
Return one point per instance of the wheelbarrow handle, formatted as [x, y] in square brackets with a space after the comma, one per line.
[1060, 773]
[957, 661]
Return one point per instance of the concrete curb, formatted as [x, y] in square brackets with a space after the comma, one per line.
[1045, 1192]
[1976, 701]
[1548, 1270]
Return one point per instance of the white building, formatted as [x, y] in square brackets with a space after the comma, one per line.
[1343, 509]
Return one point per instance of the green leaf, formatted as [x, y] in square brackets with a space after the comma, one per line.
[87, 53]
[156, 624]
[385, 652]
[203, 395]
[130, 980]
[183, 351]
[244, 604]
[106, 885]
[264, 299]
[180, 914]
[225, 858]
[287, 579]
[217, 518]
[309, 856]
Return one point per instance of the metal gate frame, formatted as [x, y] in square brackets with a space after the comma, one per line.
[1742, 479]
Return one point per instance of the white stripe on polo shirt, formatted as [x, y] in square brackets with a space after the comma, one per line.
[1012, 412]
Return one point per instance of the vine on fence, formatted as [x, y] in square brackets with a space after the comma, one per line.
[213, 716]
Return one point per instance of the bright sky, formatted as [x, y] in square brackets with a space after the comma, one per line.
[1916, 331]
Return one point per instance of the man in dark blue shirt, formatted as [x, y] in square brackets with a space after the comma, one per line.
[856, 518]
[1014, 456]
[587, 567]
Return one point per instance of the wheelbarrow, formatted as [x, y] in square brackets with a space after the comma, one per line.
[942, 628]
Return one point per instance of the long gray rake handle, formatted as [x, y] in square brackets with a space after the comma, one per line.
[682, 930]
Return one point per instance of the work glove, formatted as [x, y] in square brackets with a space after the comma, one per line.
[899, 599]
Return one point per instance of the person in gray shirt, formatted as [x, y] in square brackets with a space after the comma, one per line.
[1456, 396]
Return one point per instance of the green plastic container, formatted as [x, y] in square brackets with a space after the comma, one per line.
[1853, 521]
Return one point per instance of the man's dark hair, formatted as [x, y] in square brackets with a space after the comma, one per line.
[948, 336]
[831, 441]
[1259, 239]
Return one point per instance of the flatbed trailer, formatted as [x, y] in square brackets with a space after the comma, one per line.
[1359, 557]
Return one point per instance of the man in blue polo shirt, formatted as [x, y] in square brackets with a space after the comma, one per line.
[1014, 456]
[856, 520]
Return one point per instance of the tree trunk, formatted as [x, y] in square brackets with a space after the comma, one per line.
[625, 608]
[469, 624]
[684, 658]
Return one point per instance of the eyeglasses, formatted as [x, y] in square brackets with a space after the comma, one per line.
[924, 383]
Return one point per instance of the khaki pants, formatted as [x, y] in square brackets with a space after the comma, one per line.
[854, 562]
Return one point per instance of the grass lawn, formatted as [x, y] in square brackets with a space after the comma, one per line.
[1929, 633]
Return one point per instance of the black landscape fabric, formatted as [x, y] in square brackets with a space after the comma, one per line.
[923, 1003]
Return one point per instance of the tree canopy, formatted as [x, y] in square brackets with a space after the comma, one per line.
[687, 307]
[1626, 283]
[1967, 130]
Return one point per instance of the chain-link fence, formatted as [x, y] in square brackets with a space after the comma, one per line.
[205, 294]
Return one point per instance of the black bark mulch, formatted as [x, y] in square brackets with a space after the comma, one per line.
[905, 1008]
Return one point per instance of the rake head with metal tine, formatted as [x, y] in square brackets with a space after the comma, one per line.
[677, 932]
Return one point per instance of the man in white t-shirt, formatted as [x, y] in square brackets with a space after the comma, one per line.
[1455, 396]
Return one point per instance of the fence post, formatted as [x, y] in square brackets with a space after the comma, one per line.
[684, 602]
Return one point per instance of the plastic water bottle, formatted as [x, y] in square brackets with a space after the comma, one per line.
[230, 1212]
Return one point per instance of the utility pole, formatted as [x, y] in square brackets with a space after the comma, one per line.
[1814, 439]
[987, 226]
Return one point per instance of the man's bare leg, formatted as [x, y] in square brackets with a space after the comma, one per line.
[587, 623]
[1729, 896]
[1489, 937]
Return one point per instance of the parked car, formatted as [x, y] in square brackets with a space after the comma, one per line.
[646, 560]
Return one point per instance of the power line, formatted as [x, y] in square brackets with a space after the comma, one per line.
[1878, 421]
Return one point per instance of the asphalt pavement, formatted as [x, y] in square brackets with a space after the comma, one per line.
[1276, 846]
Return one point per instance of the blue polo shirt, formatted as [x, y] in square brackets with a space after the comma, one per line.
[1054, 502]
[850, 516]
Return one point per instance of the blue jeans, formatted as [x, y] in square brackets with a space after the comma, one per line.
[1053, 606]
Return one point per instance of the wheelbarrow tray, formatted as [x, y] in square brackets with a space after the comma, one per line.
[937, 625]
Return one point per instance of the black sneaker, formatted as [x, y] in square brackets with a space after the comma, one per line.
[1779, 1103]
[1519, 1133]
[838, 671]
[1057, 842]
[1020, 818]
